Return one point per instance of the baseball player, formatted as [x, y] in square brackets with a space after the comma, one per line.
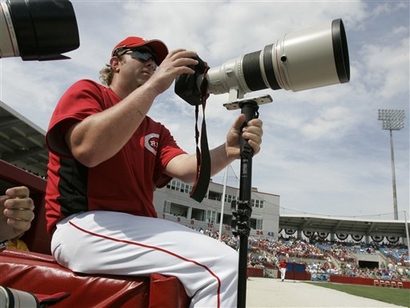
[106, 158]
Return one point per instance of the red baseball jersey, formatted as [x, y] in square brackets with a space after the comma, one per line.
[125, 182]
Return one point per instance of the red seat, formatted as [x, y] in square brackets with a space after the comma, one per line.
[40, 274]
[37, 271]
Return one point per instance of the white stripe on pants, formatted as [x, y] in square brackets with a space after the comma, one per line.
[103, 242]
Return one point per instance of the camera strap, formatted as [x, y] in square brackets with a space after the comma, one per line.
[203, 156]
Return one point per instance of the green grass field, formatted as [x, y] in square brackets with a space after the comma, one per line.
[400, 297]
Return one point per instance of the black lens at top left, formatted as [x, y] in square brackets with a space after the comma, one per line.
[44, 29]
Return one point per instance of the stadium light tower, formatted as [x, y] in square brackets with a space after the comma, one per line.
[392, 120]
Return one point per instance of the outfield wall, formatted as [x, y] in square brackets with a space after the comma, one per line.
[370, 281]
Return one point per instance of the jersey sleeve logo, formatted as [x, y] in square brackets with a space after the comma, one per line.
[151, 143]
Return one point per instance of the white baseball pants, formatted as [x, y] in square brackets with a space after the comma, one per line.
[115, 243]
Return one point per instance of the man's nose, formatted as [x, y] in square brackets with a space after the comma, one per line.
[151, 63]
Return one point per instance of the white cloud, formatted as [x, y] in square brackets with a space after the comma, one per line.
[388, 70]
[331, 123]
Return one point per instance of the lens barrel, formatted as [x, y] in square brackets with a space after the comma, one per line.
[10, 298]
[43, 29]
[301, 60]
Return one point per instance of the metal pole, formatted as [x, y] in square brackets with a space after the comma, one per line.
[407, 232]
[244, 211]
[393, 171]
[221, 221]
[392, 120]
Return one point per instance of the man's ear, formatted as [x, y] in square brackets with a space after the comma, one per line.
[115, 64]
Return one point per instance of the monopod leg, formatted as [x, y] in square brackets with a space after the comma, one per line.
[249, 108]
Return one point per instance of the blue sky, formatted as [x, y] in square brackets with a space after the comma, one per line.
[324, 151]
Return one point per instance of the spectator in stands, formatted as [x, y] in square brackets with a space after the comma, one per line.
[107, 157]
[282, 268]
[16, 214]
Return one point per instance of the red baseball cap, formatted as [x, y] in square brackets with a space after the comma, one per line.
[157, 46]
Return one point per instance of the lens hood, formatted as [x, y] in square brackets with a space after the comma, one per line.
[44, 29]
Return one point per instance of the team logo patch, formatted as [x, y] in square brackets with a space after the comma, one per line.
[151, 143]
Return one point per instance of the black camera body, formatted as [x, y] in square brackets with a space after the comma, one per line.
[189, 87]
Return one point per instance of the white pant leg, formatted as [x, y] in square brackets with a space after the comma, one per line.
[282, 273]
[102, 242]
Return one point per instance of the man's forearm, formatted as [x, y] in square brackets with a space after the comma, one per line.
[219, 159]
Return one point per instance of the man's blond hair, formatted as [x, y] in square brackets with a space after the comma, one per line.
[106, 75]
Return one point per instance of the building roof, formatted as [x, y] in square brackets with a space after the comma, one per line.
[395, 228]
[22, 143]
